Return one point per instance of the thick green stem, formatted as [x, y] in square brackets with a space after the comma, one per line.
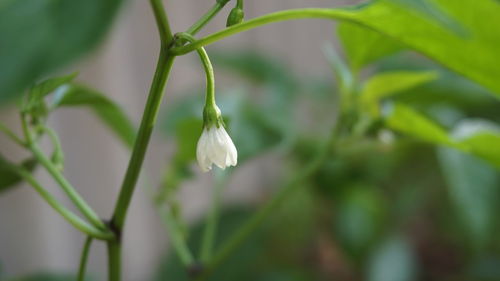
[114, 260]
[63, 211]
[161, 21]
[163, 67]
[176, 237]
[198, 25]
[266, 19]
[84, 258]
[67, 187]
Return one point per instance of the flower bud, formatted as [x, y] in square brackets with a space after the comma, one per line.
[235, 16]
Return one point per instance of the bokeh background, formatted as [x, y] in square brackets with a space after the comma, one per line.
[383, 209]
[33, 238]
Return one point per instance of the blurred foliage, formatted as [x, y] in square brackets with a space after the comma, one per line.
[40, 36]
[408, 192]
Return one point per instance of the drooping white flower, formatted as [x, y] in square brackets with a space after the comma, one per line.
[215, 145]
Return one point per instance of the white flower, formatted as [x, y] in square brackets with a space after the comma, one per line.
[215, 147]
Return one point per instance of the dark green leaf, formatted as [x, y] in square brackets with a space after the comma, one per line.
[8, 177]
[109, 112]
[473, 188]
[39, 36]
[364, 46]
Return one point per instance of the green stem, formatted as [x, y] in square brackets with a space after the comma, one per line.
[209, 233]
[11, 135]
[198, 25]
[162, 22]
[176, 237]
[163, 67]
[56, 143]
[266, 19]
[239, 4]
[67, 187]
[63, 211]
[84, 258]
[114, 260]
[207, 66]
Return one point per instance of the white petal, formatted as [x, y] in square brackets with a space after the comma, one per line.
[215, 147]
[201, 153]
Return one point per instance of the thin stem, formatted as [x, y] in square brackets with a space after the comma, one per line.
[198, 25]
[239, 4]
[11, 135]
[207, 66]
[209, 233]
[56, 143]
[80, 203]
[262, 20]
[162, 22]
[84, 258]
[176, 236]
[63, 211]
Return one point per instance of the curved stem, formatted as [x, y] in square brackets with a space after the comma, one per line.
[63, 211]
[266, 19]
[56, 143]
[84, 258]
[86, 210]
[162, 21]
[198, 25]
[207, 66]
[176, 237]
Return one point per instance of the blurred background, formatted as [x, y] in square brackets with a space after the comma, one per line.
[385, 207]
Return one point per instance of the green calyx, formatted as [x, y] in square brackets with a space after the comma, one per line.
[235, 16]
[212, 116]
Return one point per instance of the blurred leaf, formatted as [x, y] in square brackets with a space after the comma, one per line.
[8, 177]
[473, 56]
[389, 83]
[342, 73]
[39, 91]
[482, 138]
[39, 36]
[404, 119]
[364, 46]
[473, 188]
[393, 260]
[359, 218]
[187, 133]
[109, 112]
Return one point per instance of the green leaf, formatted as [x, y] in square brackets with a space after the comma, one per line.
[46, 87]
[39, 36]
[393, 260]
[404, 119]
[474, 55]
[109, 112]
[473, 188]
[389, 83]
[481, 138]
[8, 177]
[364, 46]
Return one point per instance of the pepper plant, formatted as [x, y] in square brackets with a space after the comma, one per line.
[460, 36]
